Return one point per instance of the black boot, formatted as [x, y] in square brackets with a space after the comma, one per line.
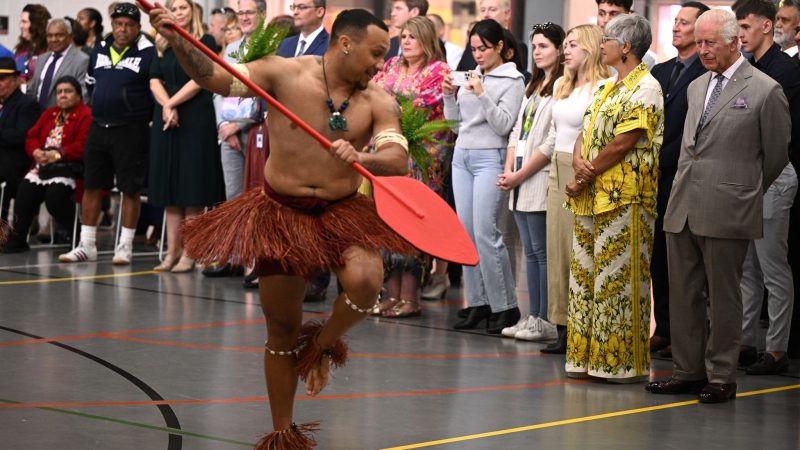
[503, 319]
[560, 346]
[474, 317]
[15, 244]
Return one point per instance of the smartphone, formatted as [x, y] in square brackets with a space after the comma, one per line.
[460, 78]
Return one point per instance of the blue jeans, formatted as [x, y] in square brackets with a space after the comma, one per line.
[478, 203]
[533, 233]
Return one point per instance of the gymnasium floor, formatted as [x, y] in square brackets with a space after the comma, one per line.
[100, 357]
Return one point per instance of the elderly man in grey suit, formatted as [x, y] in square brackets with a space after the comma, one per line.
[62, 59]
[734, 146]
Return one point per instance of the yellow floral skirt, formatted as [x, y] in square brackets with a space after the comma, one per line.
[608, 316]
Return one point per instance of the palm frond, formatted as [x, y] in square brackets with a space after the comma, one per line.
[420, 132]
[264, 41]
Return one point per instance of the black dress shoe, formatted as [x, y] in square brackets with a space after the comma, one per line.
[674, 386]
[15, 244]
[503, 319]
[748, 356]
[475, 316]
[225, 270]
[559, 347]
[665, 352]
[717, 393]
[767, 365]
[251, 281]
[463, 312]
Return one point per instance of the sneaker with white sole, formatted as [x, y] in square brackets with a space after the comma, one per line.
[80, 253]
[544, 331]
[123, 255]
[523, 323]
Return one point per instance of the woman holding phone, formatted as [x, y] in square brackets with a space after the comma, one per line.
[485, 111]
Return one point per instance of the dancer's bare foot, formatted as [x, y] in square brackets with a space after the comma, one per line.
[318, 376]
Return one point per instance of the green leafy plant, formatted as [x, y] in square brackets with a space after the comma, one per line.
[420, 132]
[263, 42]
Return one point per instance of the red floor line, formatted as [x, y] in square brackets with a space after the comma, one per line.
[148, 330]
[353, 355]
[300, 398]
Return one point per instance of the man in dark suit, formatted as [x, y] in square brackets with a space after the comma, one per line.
[674, 76]
[62, 59]
[734, 144]
[402, 10]
[766, 262]
[313, 38]
[18, 114]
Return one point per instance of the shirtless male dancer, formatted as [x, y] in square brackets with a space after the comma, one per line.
[299, 169]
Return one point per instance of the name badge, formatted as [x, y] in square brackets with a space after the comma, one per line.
[260, 138]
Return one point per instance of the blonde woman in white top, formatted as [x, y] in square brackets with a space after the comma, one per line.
[526, 173]
[583, 71]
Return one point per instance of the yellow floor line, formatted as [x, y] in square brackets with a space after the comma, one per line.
[580, 419]
[87, 277]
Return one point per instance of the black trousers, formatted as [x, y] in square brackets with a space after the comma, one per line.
[57, 197]
[658, 263]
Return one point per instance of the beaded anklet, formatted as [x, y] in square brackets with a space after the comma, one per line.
[355, 307]
[272, 352]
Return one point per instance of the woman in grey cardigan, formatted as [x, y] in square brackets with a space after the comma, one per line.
[486, 109]
[530, 147]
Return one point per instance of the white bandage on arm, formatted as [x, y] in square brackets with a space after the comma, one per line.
[238, 89]
[390, 136]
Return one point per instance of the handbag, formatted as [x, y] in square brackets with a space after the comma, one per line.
[61, 169]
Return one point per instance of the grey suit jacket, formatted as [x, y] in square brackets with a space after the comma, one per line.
[725, 167]
[75, 63]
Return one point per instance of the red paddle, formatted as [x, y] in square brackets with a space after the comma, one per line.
[409, 207]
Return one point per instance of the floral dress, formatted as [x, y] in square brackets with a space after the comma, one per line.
[608, 316]
[425, 86]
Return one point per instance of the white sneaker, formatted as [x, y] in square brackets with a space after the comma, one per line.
[521, 325]
[544, 331]
[123, 255]
[80, 253]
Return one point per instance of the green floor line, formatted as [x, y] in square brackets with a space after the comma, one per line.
[141, 425]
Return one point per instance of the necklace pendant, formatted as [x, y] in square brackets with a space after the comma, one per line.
[337, 122]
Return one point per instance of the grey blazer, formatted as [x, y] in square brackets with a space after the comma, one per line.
[725, 167]
[75, 63]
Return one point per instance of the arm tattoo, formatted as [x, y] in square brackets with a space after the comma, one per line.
[197, 65]
[379, 168]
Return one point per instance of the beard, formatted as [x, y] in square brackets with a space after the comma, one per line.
[782, 38]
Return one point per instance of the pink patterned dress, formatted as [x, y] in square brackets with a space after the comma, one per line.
[425, 86]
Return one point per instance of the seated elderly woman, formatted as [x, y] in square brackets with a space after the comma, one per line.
[55, 145]
[613, 197]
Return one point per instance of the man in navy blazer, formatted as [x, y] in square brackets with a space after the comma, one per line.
[313, 38]
[674, 76]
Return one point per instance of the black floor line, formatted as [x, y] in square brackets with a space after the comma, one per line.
[175, 441]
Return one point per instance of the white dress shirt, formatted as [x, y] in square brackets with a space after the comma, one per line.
[308, 40]
[727, 77]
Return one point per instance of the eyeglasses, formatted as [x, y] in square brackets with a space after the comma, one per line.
[611, 38]
[300, 8]
[246, 13]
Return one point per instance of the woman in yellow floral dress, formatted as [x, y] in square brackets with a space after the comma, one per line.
[613, 197]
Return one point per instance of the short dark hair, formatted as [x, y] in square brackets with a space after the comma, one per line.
[763, 8]
[701, 7]
[421, 5]
[71, 80]
[354, 22]
[627, 5]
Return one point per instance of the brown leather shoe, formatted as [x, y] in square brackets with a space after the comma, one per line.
[717, 393]
[674, 386]
[658, 342]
